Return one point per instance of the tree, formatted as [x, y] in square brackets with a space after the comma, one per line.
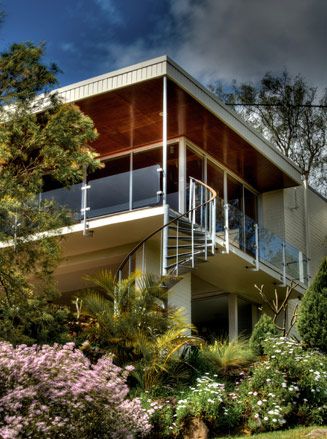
[312, 320]
[131, 318]
[289, 113]
[40, 138]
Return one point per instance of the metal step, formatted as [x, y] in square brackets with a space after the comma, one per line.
[189, 238]
[196, 245]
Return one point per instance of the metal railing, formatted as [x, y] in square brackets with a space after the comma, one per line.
[201, 216]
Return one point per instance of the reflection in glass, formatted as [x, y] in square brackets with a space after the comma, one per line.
[172, 176]
[146, 178]
[109, 191]
[69, 198]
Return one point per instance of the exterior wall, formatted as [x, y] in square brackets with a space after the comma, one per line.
[271, 212]
[283, 213]
[294, 218]
[180, 296]
[317, 208]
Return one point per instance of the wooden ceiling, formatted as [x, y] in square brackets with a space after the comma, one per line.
[131, 117]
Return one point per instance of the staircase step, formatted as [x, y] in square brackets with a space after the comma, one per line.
[181, 255]
[186, 230]
[189, 238]
[196, 245]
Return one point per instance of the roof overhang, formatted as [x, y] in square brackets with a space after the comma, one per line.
[126, 106]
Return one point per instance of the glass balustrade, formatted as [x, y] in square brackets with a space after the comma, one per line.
[110, 194]
[246, 235]
[69, 198]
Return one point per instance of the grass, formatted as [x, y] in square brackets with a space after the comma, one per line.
[295, 433]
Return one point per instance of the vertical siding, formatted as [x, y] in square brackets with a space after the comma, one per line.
[294, 217]
[282, 212]
[180, 296]
[272, 212]
[317, 208]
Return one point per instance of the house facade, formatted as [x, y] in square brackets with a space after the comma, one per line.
[189, 190]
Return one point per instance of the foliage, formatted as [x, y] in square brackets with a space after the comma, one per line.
[208, 400]
[312, 322]
[288, 388]
[49, 392]
[34, 319]
[283, 109]
[228, 357]
[264, 328]
[132, 319]
[41, 139]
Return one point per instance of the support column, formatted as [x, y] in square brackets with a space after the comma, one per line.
[164, 140]
[232, 317]
[182, 176]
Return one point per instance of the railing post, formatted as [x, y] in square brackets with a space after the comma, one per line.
[284, 262]
[193, 221]
[84, 207]
[206, 227]
[301, 268]
[256, 234]
[177, 250]
[226, 227]
[213, 224]
[165, 241]
[190, 199]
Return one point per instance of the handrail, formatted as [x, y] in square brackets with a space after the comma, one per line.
[139, 245]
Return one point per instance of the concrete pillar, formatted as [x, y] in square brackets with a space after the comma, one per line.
[232, 317]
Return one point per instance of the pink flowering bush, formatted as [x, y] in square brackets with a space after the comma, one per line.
[54, 392]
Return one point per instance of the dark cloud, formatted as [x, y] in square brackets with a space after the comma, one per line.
[239, 39]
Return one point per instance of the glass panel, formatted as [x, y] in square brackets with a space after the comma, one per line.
[249, 235]
[236, 227]
[194, 168]
[109, 190]
[292, 261]
[270, 248]
[235, 193]
[69, 198]
[146, 178]
[172, 176]
[194, 165]
[250, 204]
[215, 179]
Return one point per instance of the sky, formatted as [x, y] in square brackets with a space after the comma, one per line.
[211, 39]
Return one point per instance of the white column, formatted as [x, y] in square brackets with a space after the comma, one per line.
[164, 140]
[232, 317]
[182, 176]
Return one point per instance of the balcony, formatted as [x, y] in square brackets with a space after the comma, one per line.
[140, 188]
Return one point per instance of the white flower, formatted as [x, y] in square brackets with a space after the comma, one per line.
[260, 402]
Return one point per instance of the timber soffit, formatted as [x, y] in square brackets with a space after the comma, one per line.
[158, 67]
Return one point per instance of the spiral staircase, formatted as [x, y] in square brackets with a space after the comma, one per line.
[187, 239]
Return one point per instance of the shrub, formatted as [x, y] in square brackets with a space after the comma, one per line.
[289, 387]
[209, 401]
[48, 392]
[226, 357]
[312, 320]
[264, 328]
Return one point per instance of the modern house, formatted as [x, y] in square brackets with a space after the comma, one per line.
[197, 194]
